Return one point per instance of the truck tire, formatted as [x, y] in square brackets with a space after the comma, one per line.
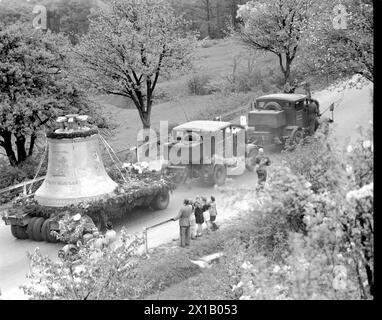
[273, 106]
[251, 156]
[297, 136]
[161, 201]
[45, 231]
[30, 227]
[36, 231]
[219, 175]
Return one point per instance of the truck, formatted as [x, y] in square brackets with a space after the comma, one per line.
[280, 118]
[210, 151]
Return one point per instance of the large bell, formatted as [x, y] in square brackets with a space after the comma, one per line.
[75, 169]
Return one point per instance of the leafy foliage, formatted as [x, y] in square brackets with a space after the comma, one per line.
[339, 54]
[128, 46]
[92, 274]
[275, 26]
[34, 94]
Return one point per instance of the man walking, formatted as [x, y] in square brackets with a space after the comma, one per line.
[184, 223]
[213, 213]
[313, 113]
[261, 162]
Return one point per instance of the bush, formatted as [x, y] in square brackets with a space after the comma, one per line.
[197, 84]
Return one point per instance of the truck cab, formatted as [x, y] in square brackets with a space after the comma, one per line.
[275, 118]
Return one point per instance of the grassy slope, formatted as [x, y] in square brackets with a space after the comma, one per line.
[214, 60]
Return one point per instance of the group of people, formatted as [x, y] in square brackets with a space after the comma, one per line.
[192, 215]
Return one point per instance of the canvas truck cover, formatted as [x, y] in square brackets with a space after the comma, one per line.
[270, 118]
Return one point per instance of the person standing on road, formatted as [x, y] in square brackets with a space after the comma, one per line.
[313, 113]
[206, 214]
[184, 223]
[261, 162]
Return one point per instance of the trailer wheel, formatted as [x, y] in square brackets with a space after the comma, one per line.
[30, 227]
[46, 232]
[14, 231]
[36, 231]
[19, 232]
[219, 175]
[23, 232]
[161, 201]
[249, 160]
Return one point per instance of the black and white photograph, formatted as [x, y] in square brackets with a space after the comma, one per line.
[194, 151]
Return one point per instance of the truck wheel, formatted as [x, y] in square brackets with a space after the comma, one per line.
[161, 201]
[249, 160]
[273, 106]
[46, 232]
[219, 174]
[297, 136]
[30, 227]
[36, 231]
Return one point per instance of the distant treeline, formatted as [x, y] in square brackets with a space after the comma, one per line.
[211, 18]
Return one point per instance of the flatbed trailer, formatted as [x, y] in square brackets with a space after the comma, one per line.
[29, 220]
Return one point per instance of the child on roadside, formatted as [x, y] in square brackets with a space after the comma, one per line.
[199, 218]
[213, 213]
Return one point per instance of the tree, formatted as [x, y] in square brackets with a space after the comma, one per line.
[12, 11]
[73, 17]
[274, 26]
[34, 87]
[340, 52]
[130, 44]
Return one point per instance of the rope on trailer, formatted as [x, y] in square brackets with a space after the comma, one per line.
[112, 159]
[115, 154]
[39, 166]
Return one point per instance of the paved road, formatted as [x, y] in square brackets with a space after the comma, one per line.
[355, 108]
[14, 263]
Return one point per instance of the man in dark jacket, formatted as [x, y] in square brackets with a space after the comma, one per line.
[184, 223]
[313, 113]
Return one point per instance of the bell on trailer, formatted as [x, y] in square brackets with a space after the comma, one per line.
[75, 169]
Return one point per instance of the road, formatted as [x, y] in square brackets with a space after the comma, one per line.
[14, 263]
[354, 108]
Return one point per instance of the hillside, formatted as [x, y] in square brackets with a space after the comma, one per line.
[213, 59]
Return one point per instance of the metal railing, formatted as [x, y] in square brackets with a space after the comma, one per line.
[21, 185]
[151, 227]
